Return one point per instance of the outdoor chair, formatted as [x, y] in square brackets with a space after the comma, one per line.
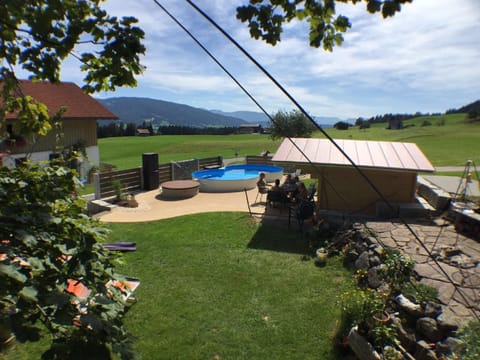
[275, 197]
[303, 211]
[261, 192]
[311, 191]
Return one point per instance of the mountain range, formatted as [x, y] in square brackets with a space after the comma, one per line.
[164, 113]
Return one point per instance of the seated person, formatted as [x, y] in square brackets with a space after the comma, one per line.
[289, 185]
[276, 194]
[262, 184]
[277, 186]
[287, 182]
[301, 194]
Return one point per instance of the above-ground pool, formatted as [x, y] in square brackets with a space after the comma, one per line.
[235, 177]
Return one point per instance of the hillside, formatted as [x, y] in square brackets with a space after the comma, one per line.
[474, 106]
[164, 113]
[262, 119]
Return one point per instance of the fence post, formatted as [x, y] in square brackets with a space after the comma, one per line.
[96, 183]
[220, 160]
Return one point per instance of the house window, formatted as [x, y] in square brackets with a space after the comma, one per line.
[10, 130]
[20, 161]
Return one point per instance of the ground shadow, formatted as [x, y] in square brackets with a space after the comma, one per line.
[274, 234]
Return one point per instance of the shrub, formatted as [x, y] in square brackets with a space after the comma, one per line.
[47, 242]
[398, 269]
[470, 336]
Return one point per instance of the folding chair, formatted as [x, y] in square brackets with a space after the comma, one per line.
[261, 192]
[303, 211]
[277, 197]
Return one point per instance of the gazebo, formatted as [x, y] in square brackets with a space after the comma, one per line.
[391, 166]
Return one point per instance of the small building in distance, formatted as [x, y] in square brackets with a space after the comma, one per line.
[250, 129]
[143, 132]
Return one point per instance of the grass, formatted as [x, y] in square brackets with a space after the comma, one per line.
[126, 152]
[226, 286]
[452, 143]
[219, 284]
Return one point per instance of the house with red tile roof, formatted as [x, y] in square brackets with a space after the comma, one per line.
[78, 130]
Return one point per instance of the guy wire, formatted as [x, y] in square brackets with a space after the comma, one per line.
[302, 110]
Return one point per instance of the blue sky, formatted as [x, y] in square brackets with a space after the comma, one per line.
[426, 58]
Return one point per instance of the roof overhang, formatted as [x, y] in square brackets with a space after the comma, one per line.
[377, 155]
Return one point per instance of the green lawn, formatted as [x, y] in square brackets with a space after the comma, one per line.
[452, 143]
[221, 284]
[126, 152]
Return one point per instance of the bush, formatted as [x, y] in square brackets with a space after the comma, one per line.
[470, 336]
[341, 125]
[48, 245]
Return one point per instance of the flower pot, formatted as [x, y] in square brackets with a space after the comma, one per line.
[321, 257]
[381, 317]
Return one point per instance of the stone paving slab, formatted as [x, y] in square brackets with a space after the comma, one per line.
[458, 256]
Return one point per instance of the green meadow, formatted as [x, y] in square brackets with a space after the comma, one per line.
[222, 286]
[448, 141]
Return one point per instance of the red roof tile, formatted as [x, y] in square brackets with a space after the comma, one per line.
[368, 154]
[79, 105]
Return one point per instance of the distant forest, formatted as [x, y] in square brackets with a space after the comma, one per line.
[121, 129]
[113, 129]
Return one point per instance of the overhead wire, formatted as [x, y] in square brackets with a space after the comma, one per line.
[213, 57]
[319, 128]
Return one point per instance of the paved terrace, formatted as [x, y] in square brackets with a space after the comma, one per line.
[458, 256]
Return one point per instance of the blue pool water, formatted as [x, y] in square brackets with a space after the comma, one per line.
[236, 172]
[235, 177]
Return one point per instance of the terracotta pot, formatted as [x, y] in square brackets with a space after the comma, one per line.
[381, 317]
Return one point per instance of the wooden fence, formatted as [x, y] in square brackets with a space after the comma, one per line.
[131, 180]
[252, 159]
[105, 183]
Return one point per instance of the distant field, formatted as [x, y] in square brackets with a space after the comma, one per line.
[451, 144]
[126, 152]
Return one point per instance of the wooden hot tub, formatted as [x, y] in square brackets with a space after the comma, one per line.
[180, 189]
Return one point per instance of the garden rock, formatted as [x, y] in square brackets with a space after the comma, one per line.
[374, 280]
[429, 328]
[361, 347]
[447, 322]
[424, 352]
[406, 338]
[432, 323]
[432, 309]
[408, 306]
[453, 344]
[363, 262]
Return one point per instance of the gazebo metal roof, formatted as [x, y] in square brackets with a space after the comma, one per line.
[382, 155]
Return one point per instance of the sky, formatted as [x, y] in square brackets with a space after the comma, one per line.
[426, 58]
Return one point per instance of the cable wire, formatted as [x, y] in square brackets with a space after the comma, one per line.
[302, 110]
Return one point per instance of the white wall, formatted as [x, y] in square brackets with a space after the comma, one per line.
[93, 159]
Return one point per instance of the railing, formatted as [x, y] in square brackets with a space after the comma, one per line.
[252, 159]
[132, 180]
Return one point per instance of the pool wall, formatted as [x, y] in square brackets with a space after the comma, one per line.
[210, 184]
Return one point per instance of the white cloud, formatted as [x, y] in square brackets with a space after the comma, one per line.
[424, 58]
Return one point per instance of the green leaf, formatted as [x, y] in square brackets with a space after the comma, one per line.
[12, 272]
[29, 293]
